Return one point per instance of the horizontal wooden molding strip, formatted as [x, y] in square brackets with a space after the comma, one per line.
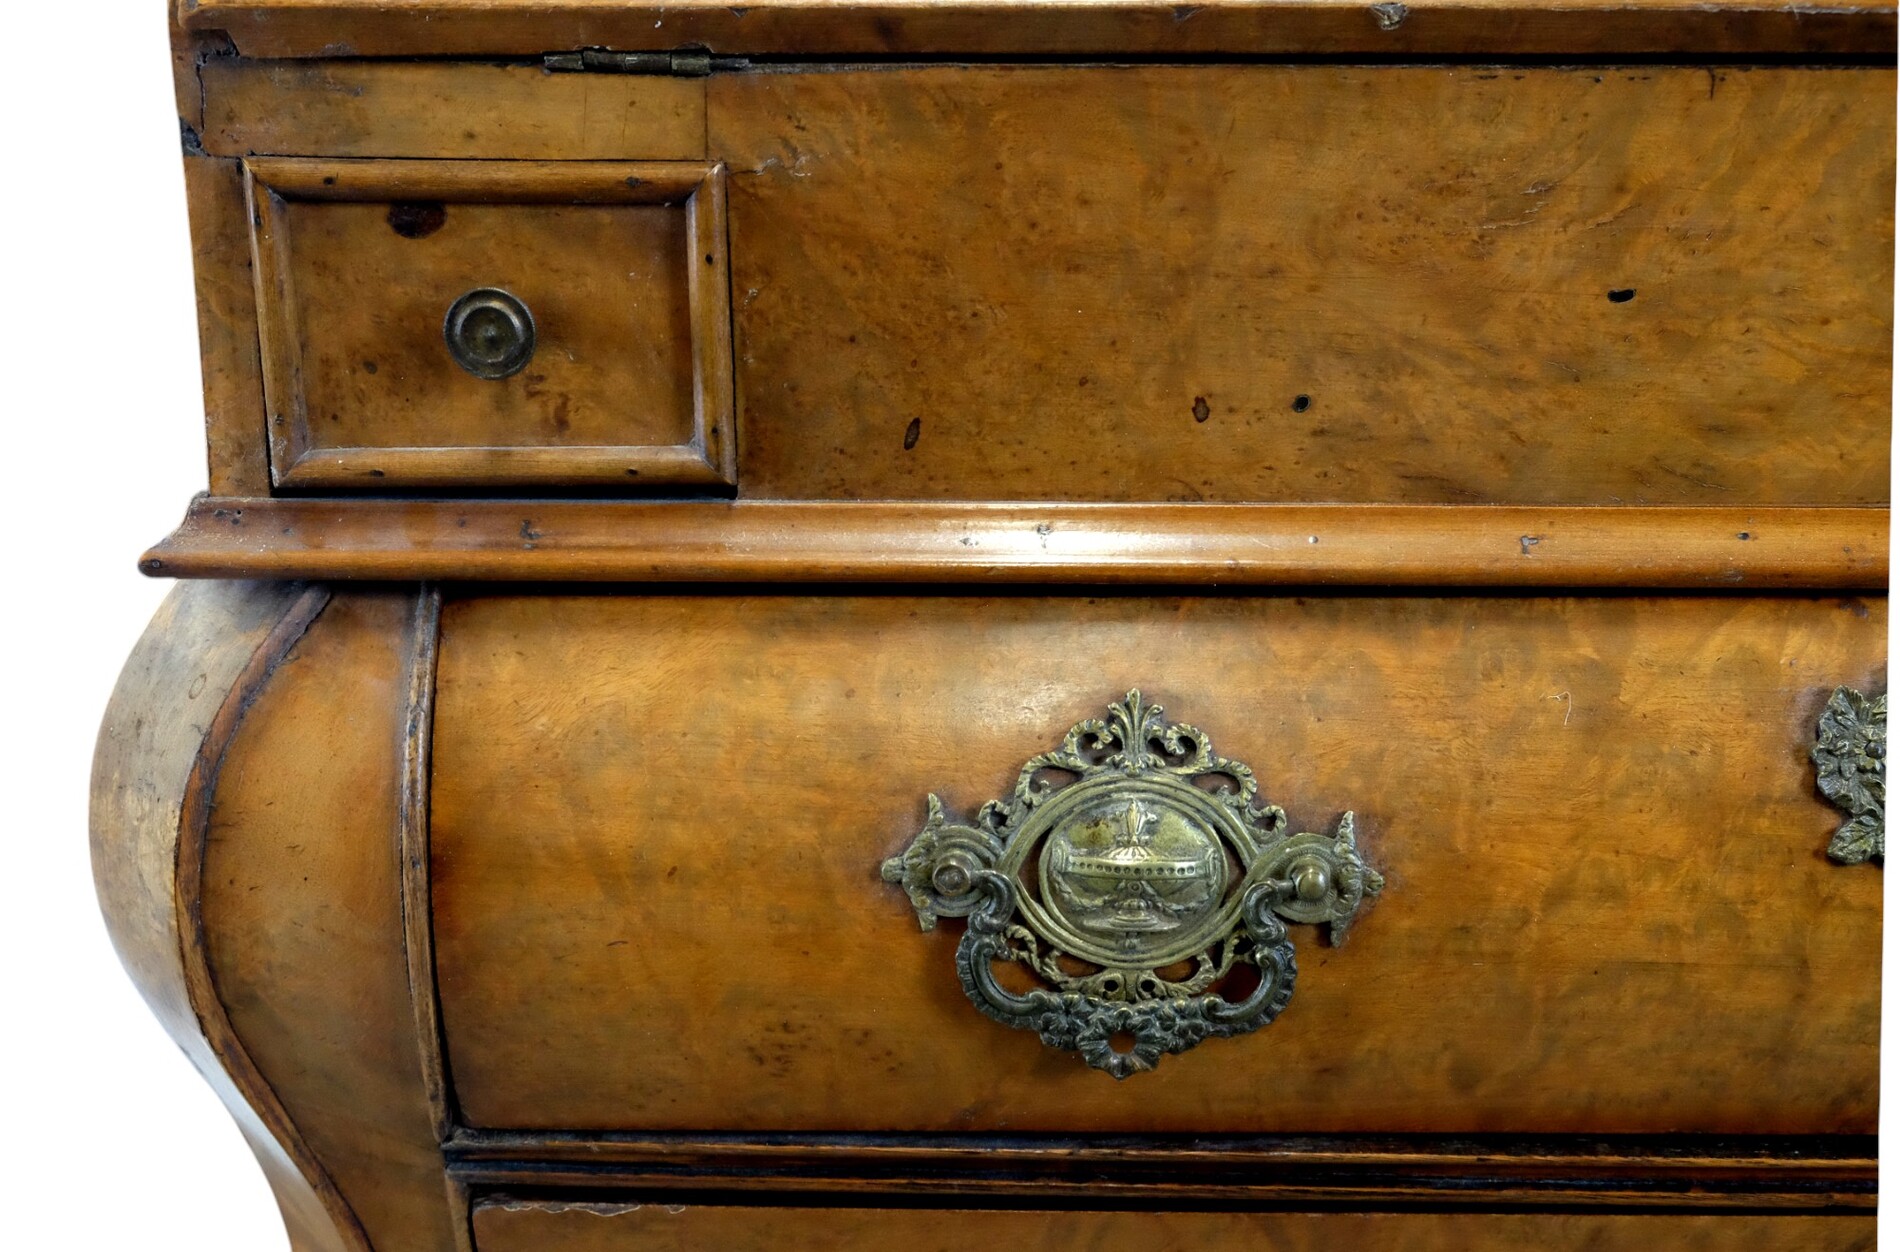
[1802, 1172]
[817, 28]
[1084, 544]
[463, 182]
[492, 112]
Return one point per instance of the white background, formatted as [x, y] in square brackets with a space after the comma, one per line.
[111, 1140]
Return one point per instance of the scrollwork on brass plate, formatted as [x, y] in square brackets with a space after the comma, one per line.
[1139, 882]
[1850, 768]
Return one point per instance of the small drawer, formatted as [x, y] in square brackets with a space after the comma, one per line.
[505, 1226]
[468, 324]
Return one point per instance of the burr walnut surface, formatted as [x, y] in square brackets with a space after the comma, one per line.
[657, 823]
[1542, 286]
[1472, 415]
[518, 1227]
[1148, 283]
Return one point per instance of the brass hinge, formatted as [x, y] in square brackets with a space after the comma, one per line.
[684, 63]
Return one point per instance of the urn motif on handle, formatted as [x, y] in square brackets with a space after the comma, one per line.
[1141, 886]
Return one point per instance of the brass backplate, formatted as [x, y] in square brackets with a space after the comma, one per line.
[1140, 882]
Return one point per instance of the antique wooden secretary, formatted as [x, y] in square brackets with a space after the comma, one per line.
[1114, 626]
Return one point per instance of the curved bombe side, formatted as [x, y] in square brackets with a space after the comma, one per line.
[252, 780]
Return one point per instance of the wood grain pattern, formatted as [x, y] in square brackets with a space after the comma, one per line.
[1010, 543]
[302, 911]
[516, 112]
[1371, 1171]
[1572, 286]
[937, 296]
[412, 841]
[612, 260]
[487, 182]
[658, 820]
[1082, 27]
[609, 294]
[504, 1226]
[556, 897]
[227, 326]
[161, 750]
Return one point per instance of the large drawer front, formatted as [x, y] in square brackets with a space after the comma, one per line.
[657, 825]
[515, 1227]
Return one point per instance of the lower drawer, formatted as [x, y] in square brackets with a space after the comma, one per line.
[503, 1226]
[658, 823]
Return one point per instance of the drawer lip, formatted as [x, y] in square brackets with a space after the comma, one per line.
[1720, 548]
[707, 458]
[1795, 1172]
[465, 467]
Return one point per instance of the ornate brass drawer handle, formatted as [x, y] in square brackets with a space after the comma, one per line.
[1850, 768]
[1135, 877]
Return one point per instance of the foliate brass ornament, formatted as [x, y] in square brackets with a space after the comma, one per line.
[1850, 767]
[1133, 877]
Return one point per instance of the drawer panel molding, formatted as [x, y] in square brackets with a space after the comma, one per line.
[1143, 886]
[485, 324]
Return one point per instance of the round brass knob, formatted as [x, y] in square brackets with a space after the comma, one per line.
[1310, 880]
[952, 878]
[490, 333]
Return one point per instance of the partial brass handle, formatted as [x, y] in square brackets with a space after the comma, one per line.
[1132, 873]
[490, 333]
[1850, 768]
